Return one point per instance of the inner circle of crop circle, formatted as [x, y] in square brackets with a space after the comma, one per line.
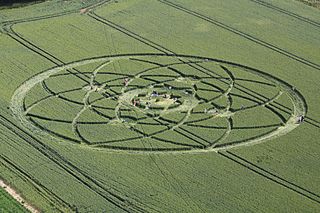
[156, 103]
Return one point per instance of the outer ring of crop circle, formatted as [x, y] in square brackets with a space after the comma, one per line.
[17, 101]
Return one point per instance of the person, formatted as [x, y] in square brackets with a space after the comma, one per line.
[137, 102]
[126, 82]
[300, 119]
[154, 94]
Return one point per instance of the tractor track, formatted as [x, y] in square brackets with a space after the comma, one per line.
[87, 180]
[29, 45]
[164, 50]
[5, 24]
[271, 176]
[243, 34]
[170, 174]
[135, 36]
[44, 192]
[290, 186]
[92, 184]
[286, 12]
[17, 100]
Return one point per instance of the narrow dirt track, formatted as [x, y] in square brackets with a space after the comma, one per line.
[17, 197]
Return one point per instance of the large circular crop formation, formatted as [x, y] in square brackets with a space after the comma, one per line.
[144, 103]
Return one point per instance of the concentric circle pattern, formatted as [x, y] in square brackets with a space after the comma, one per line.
[157, 103]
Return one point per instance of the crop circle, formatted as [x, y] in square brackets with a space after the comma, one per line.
[158, 103]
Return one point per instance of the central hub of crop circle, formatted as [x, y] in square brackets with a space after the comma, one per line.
[158, 100]
[157, 103]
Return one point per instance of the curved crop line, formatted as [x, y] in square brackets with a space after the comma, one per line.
[236, 143]
[235, 127]
[54, 15]
[199, 120]
[145, 135]
[255, 81]
[96, 70]
[36, 103]
[214, 86]
[101, 114]
[258, 96]
[102, 143]
[297, 100]
[229, 103]
[207, 90]
[54, 94]
[225, 135]
[151, 124]
[175, 143]
[145, 150]
[41, 127]
[51, 92]
[156, 81]
[278, 114]
[231, 78]
[267, 102]
[195, 135]
[48, 119]
[260, 103]
[190, 138]
[254, 95]
[158, 75]
[154, 45]
[104, 97]
[168, 52]
[243, 34]
[90, 183]
[27, 109]
[65, 121]
[168, 66]
[74, 123]
[223, 92]
[257, 101]
[204, 126]
[257, 127]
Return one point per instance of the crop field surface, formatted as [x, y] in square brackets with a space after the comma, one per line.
[161, 105]
[8, 204]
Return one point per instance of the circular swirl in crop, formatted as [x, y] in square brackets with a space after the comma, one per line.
[157, 103]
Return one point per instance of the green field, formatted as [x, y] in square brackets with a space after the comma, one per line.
[161, 105]
[8, 204]
[313, 3]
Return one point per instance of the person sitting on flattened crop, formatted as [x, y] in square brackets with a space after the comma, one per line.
[138, 102]
[154, 94]
[147, 105]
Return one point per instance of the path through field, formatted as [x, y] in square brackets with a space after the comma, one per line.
[17, 197]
